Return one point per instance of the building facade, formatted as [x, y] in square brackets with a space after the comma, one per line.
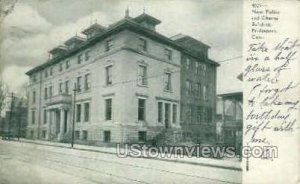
[118, 84]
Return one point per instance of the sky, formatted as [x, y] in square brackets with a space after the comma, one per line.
[36, 26]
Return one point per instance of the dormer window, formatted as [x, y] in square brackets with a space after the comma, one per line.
[168, 54]
[109, 44]
[147, 21]
[142, 45]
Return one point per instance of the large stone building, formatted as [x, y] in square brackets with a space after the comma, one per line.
[129, 84]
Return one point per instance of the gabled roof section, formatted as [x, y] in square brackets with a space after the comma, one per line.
[147, 18]
[74, 40]
[94, 28]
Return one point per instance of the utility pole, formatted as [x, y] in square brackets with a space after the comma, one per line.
[73, 122]
[10, 114]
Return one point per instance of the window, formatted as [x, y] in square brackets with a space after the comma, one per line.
[174, 113]
[60, 88]
[33, 96]
[77, 135]
[204, 69]
[141, 109]
[187, 63]
[198, 89]
[142, 136]
[31, 133]
[84, 135]
[160, 112]
[167, 115]
[44, 134]
[78, 84]
[188, 87]
[108, 109]
[108, 75]
[50, 91]
[87, 81]
[46, 73]
[33, 78]
[51, 71]
[168, 54]
[197, 67]
[106, 136]
[142, 45]
[67, 64]
[33, 117]
[204, 92]
[199, 112]
[78, 112]
[205, 115]
[168, 86]
[87, 55]
[67, 87]
[46, 93]
[60, 67]
[142, 75]
[45, 116]
[79, 59]
[86, 112]
[109, 45]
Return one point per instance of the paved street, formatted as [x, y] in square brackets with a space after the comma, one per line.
[30, 163]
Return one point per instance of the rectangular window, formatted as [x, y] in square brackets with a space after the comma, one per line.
[33, 96]
[87, 82]
[78, 112]
[108, 72]
[204, 69]
[44, 134]
[51, 71]
[33, 117]
[77, 135]
[197, 67]
[79, 59]
[67, 64]
[142, 136]
[142, 44]
[167, 115]
[108, 109]
[31, 134]
[142, 75]
[204, 92]
[34, 78]
[84, 135]
[188, 88]
[198, 89]
[67, 87]
[160, 112]
[87, 55]
[174, 113]
[199, 112]
[46, 93]
[46, 73]
[106, 137]
[141, 109]
[78, 84]
[86, 112]
[45, 116]
[109, 45]
[168, 85]
[60, 88]
[60, 67]
[168, 54]
[187, 63]
[50, 91]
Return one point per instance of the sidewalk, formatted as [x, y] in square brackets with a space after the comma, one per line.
[232, 164]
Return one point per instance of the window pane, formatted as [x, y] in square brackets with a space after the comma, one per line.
[108, 75]
[160, 106]
[86, 112]
[108, 109]
[78, 112]
[174, 113]
[141, 109]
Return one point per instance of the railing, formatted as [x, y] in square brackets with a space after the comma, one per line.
[59, 99]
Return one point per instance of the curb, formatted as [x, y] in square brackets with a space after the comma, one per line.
[161, 159]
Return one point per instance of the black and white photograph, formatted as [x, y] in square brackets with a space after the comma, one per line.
[132, 91]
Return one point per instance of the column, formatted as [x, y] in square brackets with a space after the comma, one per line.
[61, 123]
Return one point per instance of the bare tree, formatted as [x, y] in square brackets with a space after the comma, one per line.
[3, 94]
